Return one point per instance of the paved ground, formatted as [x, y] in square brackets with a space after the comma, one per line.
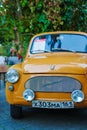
[39, 119]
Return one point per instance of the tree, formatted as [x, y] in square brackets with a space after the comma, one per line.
[30, 17]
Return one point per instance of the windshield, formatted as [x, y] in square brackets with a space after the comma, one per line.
[59, 42]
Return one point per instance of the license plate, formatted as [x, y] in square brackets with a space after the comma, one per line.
[51, 104]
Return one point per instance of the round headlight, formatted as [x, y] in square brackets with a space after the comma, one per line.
[28, 95]
[12, 76]
[77, 96]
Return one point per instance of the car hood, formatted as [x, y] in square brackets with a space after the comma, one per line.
[70, 63]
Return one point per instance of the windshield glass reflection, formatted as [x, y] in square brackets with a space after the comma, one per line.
[59, 42]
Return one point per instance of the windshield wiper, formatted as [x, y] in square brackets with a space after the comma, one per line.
[38, 51]
[62, 49]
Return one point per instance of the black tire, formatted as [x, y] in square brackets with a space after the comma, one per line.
[15, 111]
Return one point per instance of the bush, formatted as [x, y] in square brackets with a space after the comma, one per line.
[36, 16]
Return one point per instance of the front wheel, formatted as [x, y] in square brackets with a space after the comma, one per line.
[15, 111]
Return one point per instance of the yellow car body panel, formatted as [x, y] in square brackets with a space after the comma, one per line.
[66, 64]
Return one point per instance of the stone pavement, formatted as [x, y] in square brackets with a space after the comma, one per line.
[6, 122]
[41, 119]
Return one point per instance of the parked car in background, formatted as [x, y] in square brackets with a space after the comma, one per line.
[53, 74]
[3, 60]
[3, 70]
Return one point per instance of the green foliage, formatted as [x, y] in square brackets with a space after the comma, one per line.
[3, 50]
[36, 16]
[74, 15]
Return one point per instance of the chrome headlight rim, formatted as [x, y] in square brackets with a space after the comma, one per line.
[12, 76]
[77, 96]
[28, 94]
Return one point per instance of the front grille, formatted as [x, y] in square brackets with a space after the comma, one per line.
[53, 84]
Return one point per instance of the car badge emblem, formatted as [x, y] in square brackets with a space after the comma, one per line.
[52, 67]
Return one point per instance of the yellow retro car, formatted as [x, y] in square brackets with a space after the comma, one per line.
[53, 74]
